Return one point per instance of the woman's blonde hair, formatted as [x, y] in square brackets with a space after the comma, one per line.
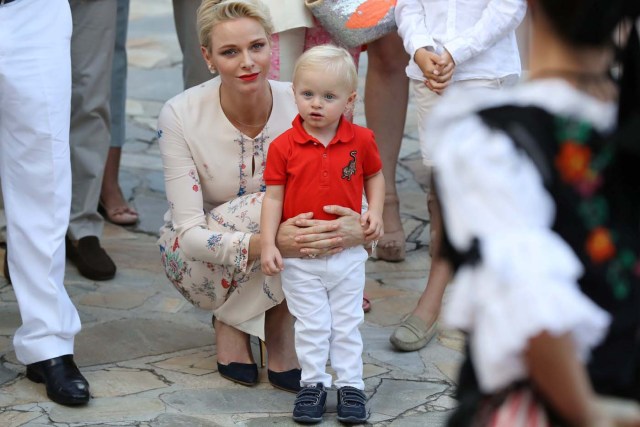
[213, 12]
[329, 58]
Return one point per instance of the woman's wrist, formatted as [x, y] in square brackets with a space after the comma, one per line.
[254, 247]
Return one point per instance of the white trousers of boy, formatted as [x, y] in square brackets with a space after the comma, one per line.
[325, 297]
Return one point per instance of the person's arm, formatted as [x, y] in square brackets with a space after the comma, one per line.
[415, 35]
[185, 196]
[270, 216]
[499, 18]
[372, 219]
[562, 379]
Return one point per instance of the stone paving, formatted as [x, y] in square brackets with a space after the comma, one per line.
[150, 356]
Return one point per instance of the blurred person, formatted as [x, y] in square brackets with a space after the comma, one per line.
[35, 171]
[325, 153]
[210, 243]
[539, 187]
[113, 205]
[92, 47]
[478, 51]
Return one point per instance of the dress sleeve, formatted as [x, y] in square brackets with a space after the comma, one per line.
[526, 280]
[499, 18]
[185, 197]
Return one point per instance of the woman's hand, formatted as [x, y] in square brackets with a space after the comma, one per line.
[303, 236]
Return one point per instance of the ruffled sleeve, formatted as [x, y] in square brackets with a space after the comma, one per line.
[526, 280]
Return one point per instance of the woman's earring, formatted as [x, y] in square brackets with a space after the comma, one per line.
[212, 70]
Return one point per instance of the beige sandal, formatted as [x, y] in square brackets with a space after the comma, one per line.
[413, 334]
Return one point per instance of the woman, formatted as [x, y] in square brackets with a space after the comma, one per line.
[214, 139]
[541, 207]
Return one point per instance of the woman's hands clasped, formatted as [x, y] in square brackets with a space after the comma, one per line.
[304, 236]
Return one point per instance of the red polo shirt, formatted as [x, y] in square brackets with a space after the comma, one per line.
[315, 175]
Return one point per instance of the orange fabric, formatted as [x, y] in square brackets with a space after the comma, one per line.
[369, 13]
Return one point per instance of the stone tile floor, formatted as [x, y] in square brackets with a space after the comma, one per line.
[149, 355]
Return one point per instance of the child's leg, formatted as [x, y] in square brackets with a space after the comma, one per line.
[346, 285]
[306, 297]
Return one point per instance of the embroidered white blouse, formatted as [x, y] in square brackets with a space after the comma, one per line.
[479, 34]
[207, 162]
[526, 281]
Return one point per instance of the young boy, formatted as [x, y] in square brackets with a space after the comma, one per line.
[466, 44]
[324, 160]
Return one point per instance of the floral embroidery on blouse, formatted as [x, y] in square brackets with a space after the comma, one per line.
[259, 157]
[194, 176]
[582, 168]
[214, 242]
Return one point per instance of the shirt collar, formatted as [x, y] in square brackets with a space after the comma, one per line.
[344, 133]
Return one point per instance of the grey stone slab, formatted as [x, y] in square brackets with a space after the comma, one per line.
[158, 84]
[394, 397]
[139, 132]
[156, 181]
[245, 400]
[133, 338]
[431, 419]
[9, 320]
[151, 210]
[378, 347]
[6, 375]
[176, 420]
[109, 410]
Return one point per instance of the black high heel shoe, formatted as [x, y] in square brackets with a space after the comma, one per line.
[287, 380]
[241, 373]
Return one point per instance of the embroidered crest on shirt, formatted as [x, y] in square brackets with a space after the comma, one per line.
[350, 169]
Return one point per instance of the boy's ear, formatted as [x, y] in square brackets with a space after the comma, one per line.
[352, 97]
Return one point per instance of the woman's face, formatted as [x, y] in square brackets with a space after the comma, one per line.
[241, 53]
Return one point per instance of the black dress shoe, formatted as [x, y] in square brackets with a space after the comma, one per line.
[92, 261]
[287, 380]
[64, 382]
[241, 373]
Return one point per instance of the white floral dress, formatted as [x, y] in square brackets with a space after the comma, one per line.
[214, 184]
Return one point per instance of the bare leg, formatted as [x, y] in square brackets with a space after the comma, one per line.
[111, 198]
[385, 105]
[416, 331]
[232, 344]
[279, 339]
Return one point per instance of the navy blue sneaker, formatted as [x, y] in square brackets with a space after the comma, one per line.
[352, 405]
[310, 404]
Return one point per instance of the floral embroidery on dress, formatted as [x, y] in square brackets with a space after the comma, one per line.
[581, 165]
[175, 268]
[194, 176]
[214, 242]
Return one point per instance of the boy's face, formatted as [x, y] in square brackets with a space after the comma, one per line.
[322, 97]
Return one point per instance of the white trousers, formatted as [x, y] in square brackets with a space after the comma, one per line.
[426, 99]
[35, 95]
[325, 297]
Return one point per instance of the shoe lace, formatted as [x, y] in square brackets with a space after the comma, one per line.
[308, 396]
[351, 396]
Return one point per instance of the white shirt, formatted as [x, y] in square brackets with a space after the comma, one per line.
[527, 279]
[479, 34]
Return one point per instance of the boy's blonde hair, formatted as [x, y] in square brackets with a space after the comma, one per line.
[329, 58]
[214, 12]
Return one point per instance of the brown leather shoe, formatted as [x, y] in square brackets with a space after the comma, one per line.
[92, 261]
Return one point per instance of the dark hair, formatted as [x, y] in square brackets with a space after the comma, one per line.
[588, 22]
[591, 23]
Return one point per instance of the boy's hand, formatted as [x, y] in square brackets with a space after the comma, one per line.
[271, 261]
[446, 66]
[429, 63]
[373, 226]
